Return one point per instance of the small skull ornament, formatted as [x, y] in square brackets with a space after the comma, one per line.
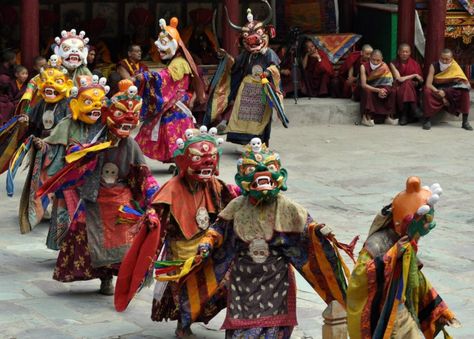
[202, 218]
[180, 143]
[74, 92]
[110, 173]
[189, 134]
[54, 59]
[48, 119]
[132, 91]
[213, 131]
[258, 250]
[256, 145]
[203, 130]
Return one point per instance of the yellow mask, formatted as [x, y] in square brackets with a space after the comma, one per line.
[54, 85]
[87, 106]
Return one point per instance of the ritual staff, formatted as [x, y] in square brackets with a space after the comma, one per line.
[378, 96]
[447, 87]
[349, 73]
[388, 295]
[179, 215]
[318, 70]
[408, 76]
[129, 67]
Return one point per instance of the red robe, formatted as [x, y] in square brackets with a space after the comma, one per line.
[318, 75]
[459, 101]
[406, 92]
[132, 67]
[371, 103]
[345, 90]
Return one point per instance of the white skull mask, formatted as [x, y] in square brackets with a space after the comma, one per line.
[203, 129]
[73, 53]
[189, 133]
[109, 173]
[258, 250]
[48, 119]
[167, 46]
[256, 145]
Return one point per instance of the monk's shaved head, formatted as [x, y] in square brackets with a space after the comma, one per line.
[376, 52]
[447, 51]
[367, 48]
[404, 45]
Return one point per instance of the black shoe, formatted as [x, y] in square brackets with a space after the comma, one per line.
[467, 126]
[427, 125]
[403, 120]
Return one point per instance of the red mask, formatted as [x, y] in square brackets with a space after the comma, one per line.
[199, 161]
[122, 115]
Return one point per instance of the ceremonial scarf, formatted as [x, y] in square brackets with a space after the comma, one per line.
[452, 74]
[381, 76]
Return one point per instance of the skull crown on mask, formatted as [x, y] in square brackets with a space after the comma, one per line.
[122, 115]
[254, 34]
[198, 156]
[53, 82]
[259, 172]
[72, 49]
[87, 105]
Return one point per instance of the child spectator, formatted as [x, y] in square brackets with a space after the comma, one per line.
[18, 85]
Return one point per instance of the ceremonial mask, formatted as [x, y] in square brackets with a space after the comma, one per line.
[72, 49]
[255, 35]
[259, 172]
[413, 208]
[89, 99]
[198, 156]
[168, 39]
[122, 115]
[53, 82]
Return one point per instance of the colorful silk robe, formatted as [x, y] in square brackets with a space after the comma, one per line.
[381, 282]
[178, 231]
[164, 112]
[97, 238]
[263, 294]
[46, 164]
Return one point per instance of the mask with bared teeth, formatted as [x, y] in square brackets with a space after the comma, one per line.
[259, 173]
[122, 115]
[87, 105]
[197, 157]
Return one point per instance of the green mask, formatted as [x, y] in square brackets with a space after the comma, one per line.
[259, 173]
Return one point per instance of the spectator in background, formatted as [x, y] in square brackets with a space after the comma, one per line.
[91, 58]
[8, 63]
[18, 85]
[131, 66]
[38, 63]
[7, 107]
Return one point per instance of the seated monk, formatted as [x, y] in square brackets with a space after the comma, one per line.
[318, 71]
[129, 67]
[349, 86]
[407, 73]
[378, 95]
[446, 88]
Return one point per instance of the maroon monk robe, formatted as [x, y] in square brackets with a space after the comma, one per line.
[371, 103]
[458, 99]
[345, 90]
[287, 57]
[318, 75]
[406, 91]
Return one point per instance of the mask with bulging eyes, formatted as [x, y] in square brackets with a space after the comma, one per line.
[48, 119]
[109, 173]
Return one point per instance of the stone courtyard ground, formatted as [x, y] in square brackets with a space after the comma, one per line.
[343, 174]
